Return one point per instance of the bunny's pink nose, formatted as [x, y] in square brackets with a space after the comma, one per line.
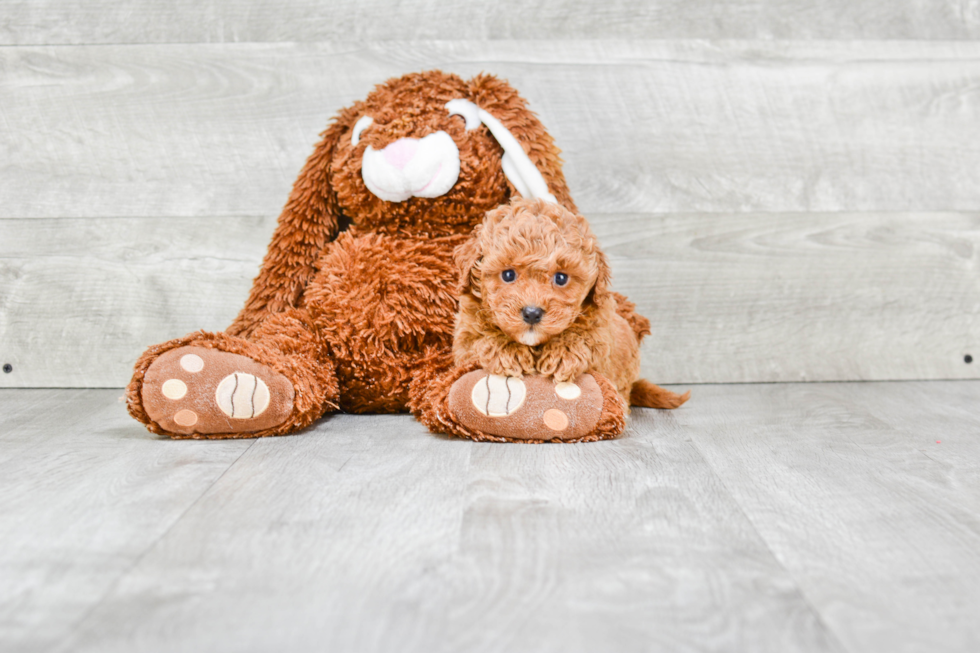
[401, 152]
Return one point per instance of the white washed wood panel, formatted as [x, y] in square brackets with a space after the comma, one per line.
[85, 492]
[801, 297]
[732, 297]
[668, 126]
[369, 534]
[186, 21]
[867, 493]
[81, 299]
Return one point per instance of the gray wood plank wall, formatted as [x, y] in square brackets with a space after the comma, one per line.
[60, 22]
[783, 208]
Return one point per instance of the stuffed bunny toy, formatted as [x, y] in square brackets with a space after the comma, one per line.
[354, 305]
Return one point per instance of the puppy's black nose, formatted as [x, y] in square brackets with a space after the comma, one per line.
[532, 314]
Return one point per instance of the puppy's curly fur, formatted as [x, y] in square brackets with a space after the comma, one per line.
[529, 255]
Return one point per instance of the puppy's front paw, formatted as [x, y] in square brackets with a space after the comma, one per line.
[504, 366]
[548, 364]
[568, 370]
[509, 360]
[564, 363]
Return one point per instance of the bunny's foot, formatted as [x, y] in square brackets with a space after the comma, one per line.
[535, 408]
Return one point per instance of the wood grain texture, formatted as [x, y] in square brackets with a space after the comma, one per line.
[646, 126]
[84, 494]
[371, 535]
[143, 21]
[732, 298]
[867, 493]
[81, 299]
[789, 517]
[801, 297]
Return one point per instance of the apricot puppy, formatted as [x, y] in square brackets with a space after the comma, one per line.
[535, 299]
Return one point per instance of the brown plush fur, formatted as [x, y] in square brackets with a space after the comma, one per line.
[430, 392]
[356, 296]
[583, 328]
[330, 192]
[283, 344]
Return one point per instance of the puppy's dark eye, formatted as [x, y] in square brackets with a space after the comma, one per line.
[508, 276]
[561, 278]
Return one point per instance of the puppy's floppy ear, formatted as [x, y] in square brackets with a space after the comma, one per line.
[467, 257]
[502, 101]
[308, 222]
[600, 293]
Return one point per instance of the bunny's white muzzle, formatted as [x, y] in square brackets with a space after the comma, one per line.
[412, 167]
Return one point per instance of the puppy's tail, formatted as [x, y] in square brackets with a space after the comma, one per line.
[645, 394]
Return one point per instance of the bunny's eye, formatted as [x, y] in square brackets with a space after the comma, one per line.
[508, 276]
[362, 123]
[561, 278]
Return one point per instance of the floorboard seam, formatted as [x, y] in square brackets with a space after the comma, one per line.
[799, 588]
[67, 393]
[73, 630]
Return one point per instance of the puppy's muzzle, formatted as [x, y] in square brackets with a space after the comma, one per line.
[532, 314]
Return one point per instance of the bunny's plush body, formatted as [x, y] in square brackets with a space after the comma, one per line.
[353, 308]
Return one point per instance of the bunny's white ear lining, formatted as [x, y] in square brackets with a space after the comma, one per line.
[362, 123]
[469, 111]
[517, 166]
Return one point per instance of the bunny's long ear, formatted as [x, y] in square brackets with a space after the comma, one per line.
[308, 222]
[499, 99]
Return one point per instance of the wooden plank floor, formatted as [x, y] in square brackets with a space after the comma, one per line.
[793, 517]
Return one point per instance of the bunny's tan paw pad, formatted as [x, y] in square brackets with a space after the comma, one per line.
[197, 390]
[528, 407]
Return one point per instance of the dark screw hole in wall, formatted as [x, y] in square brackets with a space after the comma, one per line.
[966, 359]
[8, 368]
